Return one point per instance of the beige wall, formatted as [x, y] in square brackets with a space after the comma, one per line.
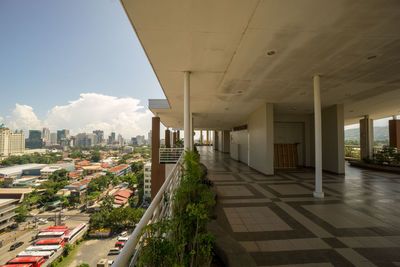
[239, 146]
[306, 120]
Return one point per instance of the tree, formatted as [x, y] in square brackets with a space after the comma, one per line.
[95, 156]
[107, 203]
[83, 265]
[99, 219]
[136, 166]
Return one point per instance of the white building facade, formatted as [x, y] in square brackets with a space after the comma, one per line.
[11, 143]
[147, 179]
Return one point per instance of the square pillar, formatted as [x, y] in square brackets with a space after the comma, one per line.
[394, 133]
[216, 143]
[333, 139]
[174, 139]
[366, 137]
[167, 138]
[157, 169]
[260, 126]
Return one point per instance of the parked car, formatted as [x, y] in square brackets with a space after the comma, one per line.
[64, 218]
[123, 238]
[120, 244]
[125, 233]
[16, 245]
[110, 262]
[114, 251]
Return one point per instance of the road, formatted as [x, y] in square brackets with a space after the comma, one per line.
[75, 217]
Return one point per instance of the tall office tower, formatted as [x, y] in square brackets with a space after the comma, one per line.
[53, 139]
[11, 143]
[35, 139]
[149, 138]
[120, 140]
[62, 134]
[46, 136]
[100, 135]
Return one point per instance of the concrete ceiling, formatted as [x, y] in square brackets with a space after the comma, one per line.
[353, 44]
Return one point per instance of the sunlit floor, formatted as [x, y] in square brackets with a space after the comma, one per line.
[276, 219]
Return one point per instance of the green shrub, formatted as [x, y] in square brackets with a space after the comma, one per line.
[183, 240]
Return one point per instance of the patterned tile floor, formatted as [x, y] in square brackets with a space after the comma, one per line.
[276, 219]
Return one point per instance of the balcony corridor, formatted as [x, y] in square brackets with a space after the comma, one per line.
[276, 219]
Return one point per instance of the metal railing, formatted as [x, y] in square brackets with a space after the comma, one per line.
[159, 209]
[170, 155]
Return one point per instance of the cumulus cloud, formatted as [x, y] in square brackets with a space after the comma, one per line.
[90, 112]
[23, 117]
[96, 111]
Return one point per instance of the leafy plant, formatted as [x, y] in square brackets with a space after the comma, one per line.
[183, 240]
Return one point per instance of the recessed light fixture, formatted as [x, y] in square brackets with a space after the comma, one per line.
[271, 52]
[371, 57]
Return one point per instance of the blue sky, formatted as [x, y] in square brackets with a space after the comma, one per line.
[53, 51]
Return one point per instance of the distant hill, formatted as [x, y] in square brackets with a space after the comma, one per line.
[380, 133]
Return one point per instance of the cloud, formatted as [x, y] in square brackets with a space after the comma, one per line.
[23, 118]
[89, 112]
[96, 111]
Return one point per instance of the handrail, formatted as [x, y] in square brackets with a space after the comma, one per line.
[154, 213]
[169, 155]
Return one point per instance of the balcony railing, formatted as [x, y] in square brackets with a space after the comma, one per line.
[170, 155]
[159, 209]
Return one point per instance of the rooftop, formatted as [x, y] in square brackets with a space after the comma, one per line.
[19, 168]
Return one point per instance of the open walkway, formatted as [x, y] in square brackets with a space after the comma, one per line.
[276, 219]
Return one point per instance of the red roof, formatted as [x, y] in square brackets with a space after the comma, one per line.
[83, 163]
[81, 182]
[57, 227]
[105, 165]
[18, 265]
[119, 168]
[26, 259]
[74, 174]
[119, 202]
[49, 241]
[125, 193]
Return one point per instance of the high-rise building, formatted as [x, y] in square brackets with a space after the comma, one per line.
[46, 136]
[11, 143]
[149, 137]
[53, 139]
[62, 134]
[134, 141]
[147, 179]
[35, 139]
[140, 140]
[120, 140]
[82, 139]
[100, 135]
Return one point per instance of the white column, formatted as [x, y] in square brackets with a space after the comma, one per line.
[191, 132]
[186, 112]
[318, 138]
